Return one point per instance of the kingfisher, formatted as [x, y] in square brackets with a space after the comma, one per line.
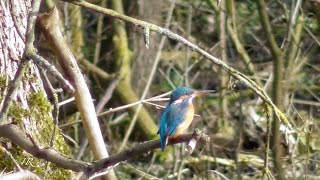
[178, 114]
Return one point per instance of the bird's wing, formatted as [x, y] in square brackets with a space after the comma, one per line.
[175, 116]
[163, 122]
[163, 128]
[172, 116]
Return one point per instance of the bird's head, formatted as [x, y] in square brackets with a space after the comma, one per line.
[181, 93]
[184, 92]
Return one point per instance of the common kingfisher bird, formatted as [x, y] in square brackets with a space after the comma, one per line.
[178, 114]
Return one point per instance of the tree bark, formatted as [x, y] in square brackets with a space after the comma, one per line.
[29, 107]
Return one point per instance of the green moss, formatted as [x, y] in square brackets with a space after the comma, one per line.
[35, 165]
[3, 81]
[39, 115]
[39, 103]
[6, 162]
[40, 112]
[17, 112]
[2, 85]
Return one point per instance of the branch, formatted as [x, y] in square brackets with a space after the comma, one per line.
[277, 91]
[49, 25]
[103, 101]
[146, 147]
[24, 174]
[156, 98]
[41, 62]
[30, 53]
[12, 91]
[95, 69]
[122, 62]
[236, 41]
[267, 28]
[223, 84]
[150, 78]
[166, 32]
[17, 136]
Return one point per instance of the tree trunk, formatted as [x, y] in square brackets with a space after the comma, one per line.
[29, 108]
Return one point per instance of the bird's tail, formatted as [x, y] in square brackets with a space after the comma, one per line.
[163, 142]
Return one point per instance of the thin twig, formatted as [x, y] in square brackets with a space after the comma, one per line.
[40, 61]
[151, 76]
[167, 79]
[118, 119]
[55, 111]
[12, 158]
[99, 33]
[311, 103]
[107, 95]
[187, 55]
[111, 110]
[104, 172]
[163, 31]
[12, 90]
[95, 69]
[267, 148]
[141, 173]
[66, 101]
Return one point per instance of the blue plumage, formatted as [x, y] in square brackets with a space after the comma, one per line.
[175, 113]
[180, 91]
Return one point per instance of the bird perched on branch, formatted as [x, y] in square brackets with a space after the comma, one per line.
[178, 114]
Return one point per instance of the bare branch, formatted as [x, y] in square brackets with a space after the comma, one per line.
[13, 133]
[151, 76]
[20, 176]
[12, 90]
[166, 32]
[145, 147]
[49, 25]
[17, 136]
[134, 104]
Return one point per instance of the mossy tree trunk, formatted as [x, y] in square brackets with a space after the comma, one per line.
[30, 108]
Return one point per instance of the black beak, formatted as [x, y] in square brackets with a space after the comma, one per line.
[203, 92]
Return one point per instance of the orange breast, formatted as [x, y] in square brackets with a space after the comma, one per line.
[187, 121]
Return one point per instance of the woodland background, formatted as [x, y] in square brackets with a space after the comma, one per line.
[62, 64]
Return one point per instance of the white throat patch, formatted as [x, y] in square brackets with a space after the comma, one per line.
[177, 101]
[190, 99]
